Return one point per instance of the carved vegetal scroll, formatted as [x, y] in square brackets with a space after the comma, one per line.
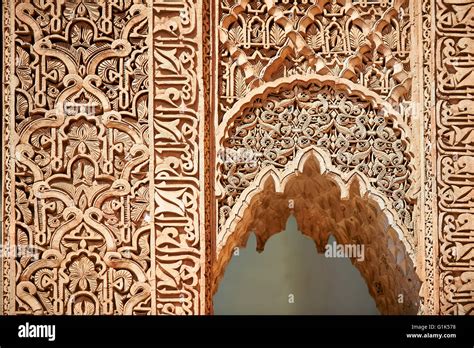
[102, 176]
[430, 294]
[357, 132]
[78, 166]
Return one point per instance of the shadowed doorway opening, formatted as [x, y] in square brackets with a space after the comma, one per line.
[290, 277]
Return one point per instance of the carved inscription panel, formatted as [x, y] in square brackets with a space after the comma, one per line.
[454, 112]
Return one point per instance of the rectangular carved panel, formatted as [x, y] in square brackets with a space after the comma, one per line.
[102, 164]
[430, 293]
[178, 138]
[454, 108]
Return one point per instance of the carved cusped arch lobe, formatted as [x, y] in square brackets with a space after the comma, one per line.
[326, 126]
[325, 204]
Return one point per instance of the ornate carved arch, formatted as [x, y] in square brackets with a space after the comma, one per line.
[324, 203]
[358, 131]
[358, 141]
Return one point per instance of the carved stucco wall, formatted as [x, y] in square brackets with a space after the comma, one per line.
[143, 140]
[103, 169]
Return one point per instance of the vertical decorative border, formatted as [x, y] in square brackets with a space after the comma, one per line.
[454, 135]
[180, 158]
[202, 116]
[209, 148]
[2, 143]
[429, 186]
[7, 178]
[151, 72]
[214, 109]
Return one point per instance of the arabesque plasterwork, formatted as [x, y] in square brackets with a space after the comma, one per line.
[143, 140]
